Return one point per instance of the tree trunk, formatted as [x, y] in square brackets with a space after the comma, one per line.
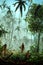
[12, 25]
[38, 42]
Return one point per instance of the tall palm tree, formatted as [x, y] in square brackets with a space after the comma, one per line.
[21, 4]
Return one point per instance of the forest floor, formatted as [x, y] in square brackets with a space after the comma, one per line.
[4, 62]
[21, 59]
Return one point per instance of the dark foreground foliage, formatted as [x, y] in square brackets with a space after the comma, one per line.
[22, 59]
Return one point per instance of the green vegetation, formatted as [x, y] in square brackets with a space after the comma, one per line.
[8, 32]
[35, 21]
[34, 58]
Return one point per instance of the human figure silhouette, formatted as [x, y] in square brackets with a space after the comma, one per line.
[4, 50]
[22, 47]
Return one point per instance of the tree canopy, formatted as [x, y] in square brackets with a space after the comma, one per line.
[21, 4]
[35, 18]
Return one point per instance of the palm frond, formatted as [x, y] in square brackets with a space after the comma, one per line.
[15, 3]
[17, 7]
[0, 6]
[21, 10]
[24, 7]
[4, 4]
[24, 2]
[21, 4]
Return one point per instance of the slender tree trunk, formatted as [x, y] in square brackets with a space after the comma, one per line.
[9, 36]
[31, 39]
[19, 30]
[35, 39]
[38, 42]
[12, 33]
